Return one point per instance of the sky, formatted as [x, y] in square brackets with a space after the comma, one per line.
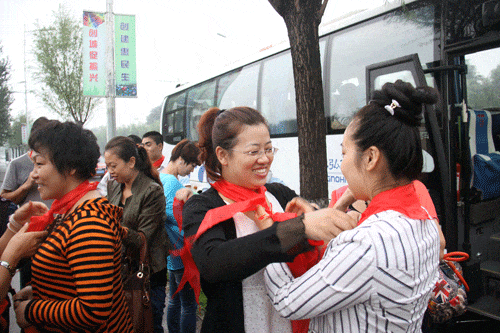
[178, 41]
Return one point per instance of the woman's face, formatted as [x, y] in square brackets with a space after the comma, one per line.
[118, 169]
[351, 164]
[247, 164]
[51, 183]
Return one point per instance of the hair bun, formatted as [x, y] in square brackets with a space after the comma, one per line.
[410, 99]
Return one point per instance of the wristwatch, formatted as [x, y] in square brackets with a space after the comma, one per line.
[5, 264]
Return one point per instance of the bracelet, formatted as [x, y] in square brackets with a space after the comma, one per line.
[14, 223]
[11, 270]
[11, 228]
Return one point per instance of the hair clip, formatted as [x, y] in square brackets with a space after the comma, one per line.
[219, 112]
[391, 107]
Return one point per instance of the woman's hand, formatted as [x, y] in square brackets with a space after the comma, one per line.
[262, 219]
[326, 224]
[19, 308]
[299, 206]
[29, 209]
[22, 245]
[20, 300]
[344, 201]
[183, 194]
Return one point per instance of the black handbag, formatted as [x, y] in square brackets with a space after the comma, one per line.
[137, 288]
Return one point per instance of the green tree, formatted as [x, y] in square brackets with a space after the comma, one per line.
[302, 19]
[6, 99]
[58, 52]
[15, 140]
[154, 115]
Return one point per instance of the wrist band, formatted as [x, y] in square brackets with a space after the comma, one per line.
[11, 270]
[12, 228]
[14, 223]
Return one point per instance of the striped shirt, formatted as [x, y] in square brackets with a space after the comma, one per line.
[76, 274]
[376, 277]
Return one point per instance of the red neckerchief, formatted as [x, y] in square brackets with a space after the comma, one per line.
[158, 162]
[61, 206]
[402, 199]
[244, 200]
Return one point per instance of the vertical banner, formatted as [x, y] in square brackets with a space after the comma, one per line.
[94, 54]
[125, 59]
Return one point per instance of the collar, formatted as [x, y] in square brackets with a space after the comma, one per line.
[402, 199]
[159, 162]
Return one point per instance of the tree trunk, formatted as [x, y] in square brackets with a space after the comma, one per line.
[302, 18]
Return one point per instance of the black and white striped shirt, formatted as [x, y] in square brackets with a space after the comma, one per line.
[376, 277]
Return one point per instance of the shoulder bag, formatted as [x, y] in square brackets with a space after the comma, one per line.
[137, 288]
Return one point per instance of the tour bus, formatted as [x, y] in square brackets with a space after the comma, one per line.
[443, 44]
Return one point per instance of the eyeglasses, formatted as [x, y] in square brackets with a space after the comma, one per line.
[258, 153]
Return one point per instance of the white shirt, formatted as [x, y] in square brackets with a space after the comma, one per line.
[376, 277]
[260, 315]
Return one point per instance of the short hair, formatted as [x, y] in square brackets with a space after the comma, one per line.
[69, 146]
[187, 150]
[135, 138]
[156, 136]
[396, 136]
[220, 128]
[37, 124]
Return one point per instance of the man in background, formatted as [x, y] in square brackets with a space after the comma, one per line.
[19, 187]
[153, 143]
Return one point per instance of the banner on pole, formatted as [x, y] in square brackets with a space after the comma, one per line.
[94, 54]
[125, 58]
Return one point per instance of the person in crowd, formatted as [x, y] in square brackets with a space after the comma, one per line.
[378, 276]
[153, 143]
[103, 184]
[137, 188]
[19, 187]
[227, 247]
[76, 280]
[181, 309]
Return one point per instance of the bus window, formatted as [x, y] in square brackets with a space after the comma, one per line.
[483, 77]
[390, 36]
[239, 88]
[199, 100]
[278, 95]
[173, 116]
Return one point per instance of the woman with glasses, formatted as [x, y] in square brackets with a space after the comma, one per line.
[228, 248]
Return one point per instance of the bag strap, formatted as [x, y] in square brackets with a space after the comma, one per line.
[457, 257]
[143, 256]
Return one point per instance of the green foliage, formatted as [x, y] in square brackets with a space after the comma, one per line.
[15, 139]
[154, 114]
[6, 100]
[483, 92]
[57, 51]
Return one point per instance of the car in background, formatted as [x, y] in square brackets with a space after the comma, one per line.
[100, 169]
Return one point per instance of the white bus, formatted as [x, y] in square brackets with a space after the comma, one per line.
[422, 41]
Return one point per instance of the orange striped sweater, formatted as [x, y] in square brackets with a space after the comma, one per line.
[76, 274]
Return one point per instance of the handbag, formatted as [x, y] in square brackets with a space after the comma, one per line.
[137, 288]
[449, 296]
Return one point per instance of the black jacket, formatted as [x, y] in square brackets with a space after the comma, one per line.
[224, 260]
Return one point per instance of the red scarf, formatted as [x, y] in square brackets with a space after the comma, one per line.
[244, 200]
[61, 206]
[402, 199]
[158, 162]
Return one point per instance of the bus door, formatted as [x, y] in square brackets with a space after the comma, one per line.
[435, 172]
[474, 104]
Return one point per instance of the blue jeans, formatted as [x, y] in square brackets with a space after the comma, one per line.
[181, 311]
[158, 295]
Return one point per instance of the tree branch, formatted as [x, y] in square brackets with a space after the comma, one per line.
[322, 10]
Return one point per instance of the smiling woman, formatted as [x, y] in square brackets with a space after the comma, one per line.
[85, 232]
[229, 250]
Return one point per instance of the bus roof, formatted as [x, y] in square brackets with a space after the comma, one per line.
[325, 28]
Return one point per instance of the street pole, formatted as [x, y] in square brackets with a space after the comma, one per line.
[110, 72]
[26, 86]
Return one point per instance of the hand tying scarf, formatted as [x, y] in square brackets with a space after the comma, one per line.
[158, 162]
[244, 200]
[61, 206]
